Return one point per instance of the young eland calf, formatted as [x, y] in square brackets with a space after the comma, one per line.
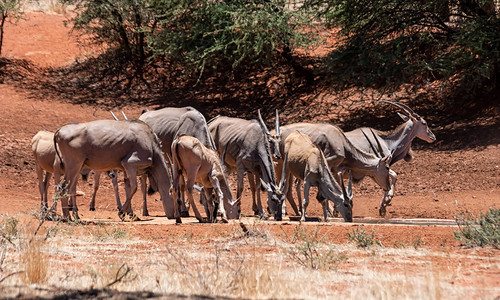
[197, 163]
[306, 162]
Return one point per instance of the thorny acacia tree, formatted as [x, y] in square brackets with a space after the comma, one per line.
[9, 9]
[389, 42]
[198, 35]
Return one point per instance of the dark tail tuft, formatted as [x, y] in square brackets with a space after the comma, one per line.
[151, 190]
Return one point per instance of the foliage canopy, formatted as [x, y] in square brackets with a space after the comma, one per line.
[381, 43]
[390, 42]
[198, 35]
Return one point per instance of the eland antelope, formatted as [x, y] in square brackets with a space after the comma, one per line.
[170, 122]
[104, 145]
[202, 165]
[245, 147]
[341, 155]
[44, 152]
[396, 142]
[306, 162]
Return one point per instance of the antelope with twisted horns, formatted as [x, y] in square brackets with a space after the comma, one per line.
[396, 143]
[247, 147]
[306, 162]
[104, 145]
[342, 156]
[171, 122]
[202, 165]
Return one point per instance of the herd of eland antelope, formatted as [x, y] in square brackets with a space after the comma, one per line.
[177, 149]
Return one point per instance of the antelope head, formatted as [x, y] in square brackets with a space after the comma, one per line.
[422, 130]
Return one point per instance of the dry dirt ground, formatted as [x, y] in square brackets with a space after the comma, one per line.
[416, 261]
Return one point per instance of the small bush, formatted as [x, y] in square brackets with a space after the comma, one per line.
[103, 232]
[309, 254]
[482, 231]
[363, 239]
[8, 229]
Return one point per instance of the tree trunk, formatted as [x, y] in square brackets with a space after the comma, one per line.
[2, 22]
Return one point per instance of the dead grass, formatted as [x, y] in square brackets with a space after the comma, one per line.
[35, 262]
[238, 264]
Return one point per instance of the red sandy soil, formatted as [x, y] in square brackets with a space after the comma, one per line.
[437, 184]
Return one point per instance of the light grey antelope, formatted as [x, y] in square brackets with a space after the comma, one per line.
[44, 152]
[170, 122]
[245, 146]
[202, 165]
[114, 177]
[396, 142]
[46, 161]
[342, 156]
[103, 145]
[306, 162]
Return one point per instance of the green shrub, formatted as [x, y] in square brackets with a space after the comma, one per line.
[363, 239]
[386, 43]
[482, 231]
[308, 253]
[9, 228]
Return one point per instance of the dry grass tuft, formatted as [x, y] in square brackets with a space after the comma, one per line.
[36, 263]
[226, 274]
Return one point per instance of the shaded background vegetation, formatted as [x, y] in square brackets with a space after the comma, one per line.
[264, 53]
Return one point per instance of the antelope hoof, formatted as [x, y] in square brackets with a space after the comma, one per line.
[178, 221]
[92, 209]
[263, 216]
[223, 220]
[145, 213]
[255, 210]
[134, 217]
[382, 211]
[121, 215]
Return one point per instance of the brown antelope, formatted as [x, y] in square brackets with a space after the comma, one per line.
[306, 162]
[202, 165]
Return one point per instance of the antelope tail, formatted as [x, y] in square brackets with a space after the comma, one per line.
[61, 163]
[175, 158]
